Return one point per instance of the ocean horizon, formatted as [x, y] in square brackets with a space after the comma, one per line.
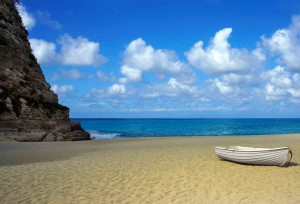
[117, 128]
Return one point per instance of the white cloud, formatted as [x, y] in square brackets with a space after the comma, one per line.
[295, 93]
[239, 79]
[44, 51]
[278, 77]
[61, 90]
[74, 51]
[131, 73]
[72, 74]
[101, 75]
[106, 77]
[280, 84]
[80, 51]
[27, 18]
[277, 84]
[181, 87]
[219, 57]
[117, 89]
[220, 86]
[233, 88]
[45, 18]
[95, 93]
[68, 74]
[139, 57]
[123, 80]
[172, 88]
[274, 93]
[286, 44]
[112, 91]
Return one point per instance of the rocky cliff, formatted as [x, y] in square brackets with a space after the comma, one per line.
[29, 110]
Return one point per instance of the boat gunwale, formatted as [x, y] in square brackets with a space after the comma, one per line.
[251, 149]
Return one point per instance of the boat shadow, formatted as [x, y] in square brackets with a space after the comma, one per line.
[289, 165]
[293, 164]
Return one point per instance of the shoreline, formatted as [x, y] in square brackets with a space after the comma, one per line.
[191, 136]
[145, 170]
[197, 136]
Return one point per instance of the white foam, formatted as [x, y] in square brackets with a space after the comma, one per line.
[95, 135]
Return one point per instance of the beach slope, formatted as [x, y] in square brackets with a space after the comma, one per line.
[145, 170]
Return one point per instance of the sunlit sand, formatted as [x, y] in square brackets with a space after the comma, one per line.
[145, 170]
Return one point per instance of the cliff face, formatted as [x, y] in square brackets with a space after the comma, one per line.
[29, 110]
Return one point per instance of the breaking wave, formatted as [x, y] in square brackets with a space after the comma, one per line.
[95, 135]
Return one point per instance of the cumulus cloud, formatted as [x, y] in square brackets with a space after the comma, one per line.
[73, 51]
[131, 74]
[44, 51]
[275, 85]
[181, 87]
[61, 90]
[220, 57]
[285, 43]
[80, 51]
[172, 88]
[139, 57]
[220, 86]
[27, 18]
[281, 84]
[114, 90]
[238, 89]
[240, 79]
[117, 89]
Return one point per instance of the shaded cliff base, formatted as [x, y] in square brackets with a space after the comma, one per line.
[23, 131]
[34, 120]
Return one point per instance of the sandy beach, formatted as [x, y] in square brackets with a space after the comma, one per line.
[145, 170]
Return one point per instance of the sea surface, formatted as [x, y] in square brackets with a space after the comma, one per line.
[125, 128]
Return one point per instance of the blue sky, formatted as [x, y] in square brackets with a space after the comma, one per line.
[169, 58]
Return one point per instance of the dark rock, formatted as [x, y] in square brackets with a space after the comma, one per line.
[29, 110]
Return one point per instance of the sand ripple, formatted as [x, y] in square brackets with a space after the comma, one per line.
[173, 170]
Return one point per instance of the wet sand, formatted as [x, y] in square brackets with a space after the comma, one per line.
[145, 170]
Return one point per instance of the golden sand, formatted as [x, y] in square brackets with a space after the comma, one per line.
[153, 170]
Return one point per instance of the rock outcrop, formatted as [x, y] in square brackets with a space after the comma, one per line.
[29, 110]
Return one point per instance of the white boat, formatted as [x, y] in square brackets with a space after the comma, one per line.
[256, 156]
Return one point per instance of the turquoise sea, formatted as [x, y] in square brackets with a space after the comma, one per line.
[125, 128]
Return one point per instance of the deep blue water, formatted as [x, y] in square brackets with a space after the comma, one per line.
[124, 128]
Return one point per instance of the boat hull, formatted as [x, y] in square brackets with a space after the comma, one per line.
[255, 156]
